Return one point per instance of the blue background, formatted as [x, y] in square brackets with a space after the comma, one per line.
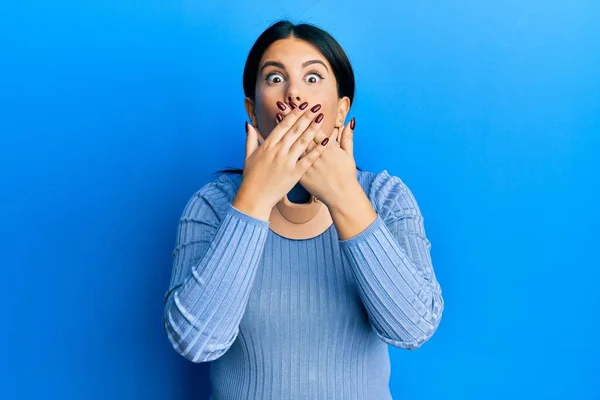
[112, 113]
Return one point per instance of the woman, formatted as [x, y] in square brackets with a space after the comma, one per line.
[294, 275]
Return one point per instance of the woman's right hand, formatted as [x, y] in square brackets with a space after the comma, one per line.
[272, 169]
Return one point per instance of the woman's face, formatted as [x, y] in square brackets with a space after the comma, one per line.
[293, 68]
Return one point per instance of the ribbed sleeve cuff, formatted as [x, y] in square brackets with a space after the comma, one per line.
[247, 218]
[376, 225]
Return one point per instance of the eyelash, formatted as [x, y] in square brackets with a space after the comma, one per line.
[311, 72]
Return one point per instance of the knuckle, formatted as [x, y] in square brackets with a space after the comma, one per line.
[314, 128]
[296, 130]
[297, 111]
[278, 156]
[285, 123]
[270, 147]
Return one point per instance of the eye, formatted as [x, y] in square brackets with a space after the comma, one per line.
[314, 77]
[274, 77]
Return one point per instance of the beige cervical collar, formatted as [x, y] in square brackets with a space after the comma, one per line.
[299, 221]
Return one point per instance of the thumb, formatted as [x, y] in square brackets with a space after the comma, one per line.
[251, 140]
[347, 142]
[337, 135]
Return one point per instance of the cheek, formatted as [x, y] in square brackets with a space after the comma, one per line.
[329, 128]
[330, 118]
[266, 106]
[266, 113]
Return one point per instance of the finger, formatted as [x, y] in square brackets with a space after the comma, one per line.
[318, 138]
[291, 103]
[307, 137]
[260, 137]
[336, 138]
[338, 135]
[284, 110]
[294, 123]
[305, 163]
[306, 150]
[347, 141]
[285, 123]
[251, 140]
[301, 125]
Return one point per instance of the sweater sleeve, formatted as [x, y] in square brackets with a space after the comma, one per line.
[391, 263]
[215, 260]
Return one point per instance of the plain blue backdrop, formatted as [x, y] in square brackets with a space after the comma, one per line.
[113, 113]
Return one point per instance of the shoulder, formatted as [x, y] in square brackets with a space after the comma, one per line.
[215, 195]
[388, 193]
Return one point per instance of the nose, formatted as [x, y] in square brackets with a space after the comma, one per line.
[296, 100]
[293, 95]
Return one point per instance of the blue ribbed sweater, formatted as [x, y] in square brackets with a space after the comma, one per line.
[300, 319]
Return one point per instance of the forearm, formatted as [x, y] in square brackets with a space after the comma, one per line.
[202, 315]
[251, 204]
[401, 295]
[352, 213]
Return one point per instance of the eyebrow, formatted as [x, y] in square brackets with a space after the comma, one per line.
[304, 65]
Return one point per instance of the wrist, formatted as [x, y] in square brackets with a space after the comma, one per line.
[347, 198]
[251, 206]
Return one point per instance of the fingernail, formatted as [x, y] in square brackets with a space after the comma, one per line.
[319, 118]
[246, 126]
[303, 105]
[316, 108]
[281, 106]
[324, 142]
[279, 117]
[292, 104]
[352, 123]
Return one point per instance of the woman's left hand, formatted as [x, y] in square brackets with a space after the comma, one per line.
[333, 176]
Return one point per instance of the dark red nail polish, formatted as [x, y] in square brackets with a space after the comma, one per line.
[246, 126]
[279, 117]
[303, 105]
[316, 108]
[319, 118]
[324, 142]
[293, 105]
[352, 123]
[281, 106]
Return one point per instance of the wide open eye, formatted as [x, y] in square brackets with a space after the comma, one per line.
[314, 77]
[274, 77]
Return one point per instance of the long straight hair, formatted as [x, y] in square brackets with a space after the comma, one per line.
[323, 41]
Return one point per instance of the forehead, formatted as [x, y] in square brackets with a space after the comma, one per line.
[292, 52]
